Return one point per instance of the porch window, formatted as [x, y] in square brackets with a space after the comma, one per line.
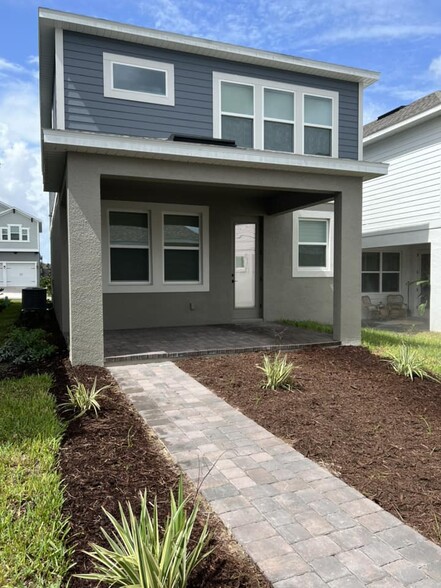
[181, 248]
[264, 114]
[142, 80]
[313, 243]
[237, 113]
[129, 246]
[380, 271]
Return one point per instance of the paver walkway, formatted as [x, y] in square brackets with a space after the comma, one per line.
[303, 527]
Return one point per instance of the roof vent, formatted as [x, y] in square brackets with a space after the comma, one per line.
[390, 112]
[202, 140]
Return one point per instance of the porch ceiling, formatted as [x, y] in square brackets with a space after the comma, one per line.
[273, 201]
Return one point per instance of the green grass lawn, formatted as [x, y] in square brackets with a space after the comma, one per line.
[32, 529]
[427, 345]
[8, 317]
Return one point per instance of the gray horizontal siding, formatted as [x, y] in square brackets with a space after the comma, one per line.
[88, 109]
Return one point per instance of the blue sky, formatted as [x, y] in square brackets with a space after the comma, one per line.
[400, 38]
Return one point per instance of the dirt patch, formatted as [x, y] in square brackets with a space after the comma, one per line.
[353, 414]
[113, 458]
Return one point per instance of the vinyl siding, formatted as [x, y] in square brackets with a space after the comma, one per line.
[11, 218]
[411, 192]
[87, 109]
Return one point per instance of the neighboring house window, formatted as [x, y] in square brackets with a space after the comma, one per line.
[131, 78]
[275, 116]
[380, 271]
[181, 248]
[155, 247]
[14, 233]
[129, 246]
[241, 263]
[312, 243]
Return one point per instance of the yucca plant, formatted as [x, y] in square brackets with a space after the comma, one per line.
[82, 399]
[277, 372]
[140, 556]
[406, 362]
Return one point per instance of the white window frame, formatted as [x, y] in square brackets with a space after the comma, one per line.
[180, 248]
[317, 126]
[134, 246]
[239, 115]
[110, 92]
[8, 230]
[313, 272]
[259, 86]
[279, 120]
[380, 272]
[156, 240]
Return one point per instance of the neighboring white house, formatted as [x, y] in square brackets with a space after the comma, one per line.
[402, 210]
[19, 248]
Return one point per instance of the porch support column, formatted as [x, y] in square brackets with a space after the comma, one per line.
[347, 265]
[435, 281]
[86, 345]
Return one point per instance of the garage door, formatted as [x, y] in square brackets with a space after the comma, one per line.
[19, 274]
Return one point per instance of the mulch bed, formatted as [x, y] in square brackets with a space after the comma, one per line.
[111, 459]
[350, 412]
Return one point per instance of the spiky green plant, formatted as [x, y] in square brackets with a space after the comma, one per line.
[140, 556]
[405, 362]
[278, 372]
[82, 399]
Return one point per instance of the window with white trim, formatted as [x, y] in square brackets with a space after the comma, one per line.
[182, 248]
[129, 246]
[263, 114]
[14, 233]
[313, 243]
[380, 271]
[142, 80]
[155, 247]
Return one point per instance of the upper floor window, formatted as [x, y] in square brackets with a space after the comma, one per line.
[270, 115]
[131, 78]
[14, 233]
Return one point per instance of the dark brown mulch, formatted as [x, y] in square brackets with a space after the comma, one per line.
[111, 459]
[351, 412]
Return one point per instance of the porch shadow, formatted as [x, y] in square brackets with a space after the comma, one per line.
[171, 342]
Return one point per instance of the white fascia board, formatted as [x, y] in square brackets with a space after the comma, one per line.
[26, 214]
[410, 122]
[64, 141]
[174, 41]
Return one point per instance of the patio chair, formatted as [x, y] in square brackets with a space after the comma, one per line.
[396, 306]
[369, 310]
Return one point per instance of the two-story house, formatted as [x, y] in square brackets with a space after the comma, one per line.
[19, 248]
[163, 150]
[402, 211]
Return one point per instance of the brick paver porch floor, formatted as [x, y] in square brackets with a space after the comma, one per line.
[303, 527]
[163, 342]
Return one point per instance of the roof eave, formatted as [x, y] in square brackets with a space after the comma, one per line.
[403, 125]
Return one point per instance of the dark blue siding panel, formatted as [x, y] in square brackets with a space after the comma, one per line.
[87, 108]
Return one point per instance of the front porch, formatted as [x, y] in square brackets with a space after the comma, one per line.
[127, 345]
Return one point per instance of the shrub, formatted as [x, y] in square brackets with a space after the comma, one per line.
[140, 556]
[406, 362]
[24, 346]
[4, 303]
[277, 372]
[82, 399]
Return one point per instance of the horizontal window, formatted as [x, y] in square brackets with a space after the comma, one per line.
[14, 233]
[275, 116]
[131, 78]
[380, 271]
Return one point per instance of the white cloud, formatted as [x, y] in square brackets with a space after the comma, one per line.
[8, 66]
[20, 168]
[435, 68]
